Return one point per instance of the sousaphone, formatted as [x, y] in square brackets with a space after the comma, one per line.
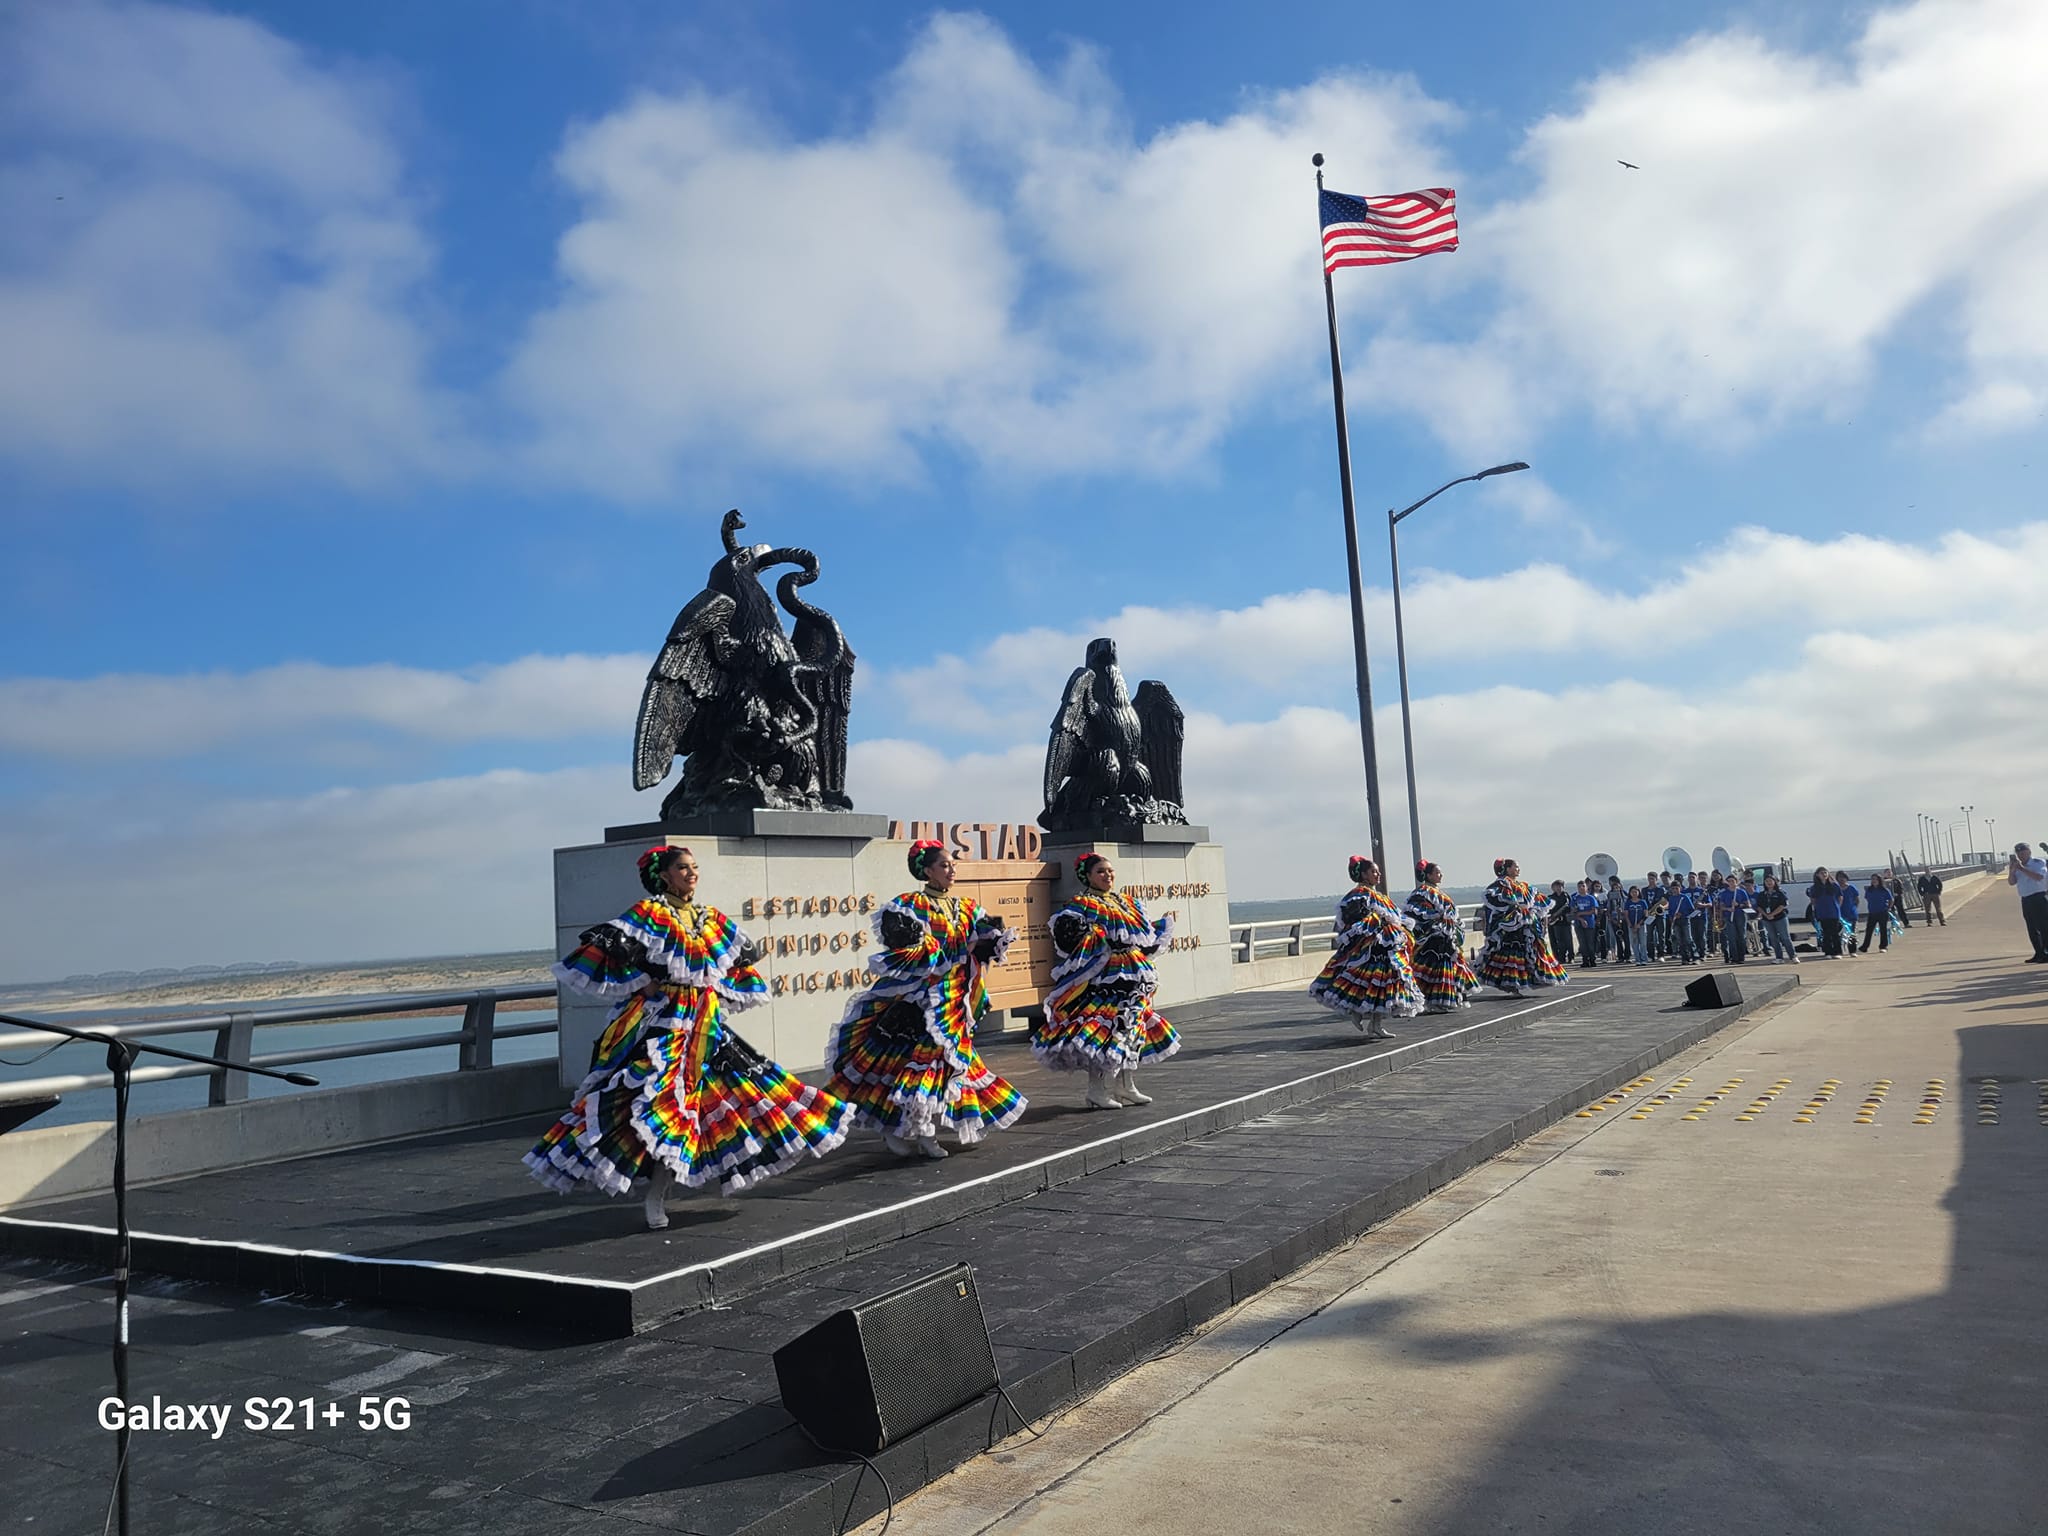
[1601, 866]
[1723, 863]
[1677, 862]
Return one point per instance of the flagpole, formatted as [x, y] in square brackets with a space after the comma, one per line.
[1372, 757]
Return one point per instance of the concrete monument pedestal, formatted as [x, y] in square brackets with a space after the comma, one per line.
[806, 885]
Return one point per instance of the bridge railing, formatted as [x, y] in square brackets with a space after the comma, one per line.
[234, 1036]
[1304, 935]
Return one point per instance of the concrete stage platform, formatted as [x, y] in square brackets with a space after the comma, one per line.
[1278, 1135]
[453, 1221]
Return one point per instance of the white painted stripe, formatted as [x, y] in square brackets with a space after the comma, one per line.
[1107, 1141]
[409, 1362]
[713, 1265]
[31, 1292]
[311, 1253]
[327, 1332]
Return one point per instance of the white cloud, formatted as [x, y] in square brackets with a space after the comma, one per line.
[143, 717]
[449, 866]
[1792, 213]
[994, 263]
[1771, 587]
[1821, 754]
[211, 263]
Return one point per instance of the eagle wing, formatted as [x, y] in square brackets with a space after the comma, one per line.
[1162, 732]
[1069, 730]
[683, 678]
[825, 674]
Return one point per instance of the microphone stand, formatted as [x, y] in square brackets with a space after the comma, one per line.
[120, 1060]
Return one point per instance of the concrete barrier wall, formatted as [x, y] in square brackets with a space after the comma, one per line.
[78, 1159]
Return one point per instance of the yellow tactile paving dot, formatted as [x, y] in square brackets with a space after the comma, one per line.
[1650, 1106]
[1988, 1096]
[1700, 1110]
[1930, 1102]
[1819, 1101]
[1614, 1098]
[1873, 1101]
[1763, 1100]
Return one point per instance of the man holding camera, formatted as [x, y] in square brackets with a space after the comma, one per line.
[2028, 874]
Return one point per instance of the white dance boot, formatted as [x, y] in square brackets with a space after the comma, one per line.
[1099, 1095]
[929, 1146]
[898, 1145]
[657, 1193]
[1127, 1090]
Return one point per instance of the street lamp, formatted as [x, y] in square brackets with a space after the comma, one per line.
[1401, 644]
[1966, 810]
[1952, 842]
[1991, 835]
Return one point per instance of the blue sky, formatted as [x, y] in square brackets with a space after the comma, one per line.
[377, 376]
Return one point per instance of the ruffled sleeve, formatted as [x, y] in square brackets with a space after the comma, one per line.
[910, 950]
[652, 940]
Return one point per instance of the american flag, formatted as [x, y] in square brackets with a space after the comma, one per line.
[1371, 231]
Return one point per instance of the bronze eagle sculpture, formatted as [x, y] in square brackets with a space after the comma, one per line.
[759, 715]
[1113, 759]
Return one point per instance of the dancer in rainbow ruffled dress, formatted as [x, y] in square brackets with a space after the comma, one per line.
[673, 1094]
[904, 1054]
[1371, 976]
[1099, 1017]
[1517, 959]
[1441, 971]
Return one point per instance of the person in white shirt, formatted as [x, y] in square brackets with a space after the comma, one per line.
[2028, 874]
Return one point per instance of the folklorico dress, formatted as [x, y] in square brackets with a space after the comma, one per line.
[1099, 1016]
[1516, 955]
[1441, 970]
[671, 1086]
[904, 1054]
[1371, 975]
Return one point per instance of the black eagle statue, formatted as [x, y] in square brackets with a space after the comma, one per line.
[1113, 759]
[759, 715]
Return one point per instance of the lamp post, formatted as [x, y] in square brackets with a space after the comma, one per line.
[1920, 818]
[1967, 810]
[1401, 643]
[1952, 842]
[1991, 836]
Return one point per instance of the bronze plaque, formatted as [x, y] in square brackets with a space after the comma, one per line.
[1020, 893]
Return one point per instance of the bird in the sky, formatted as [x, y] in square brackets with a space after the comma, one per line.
[1631, 167]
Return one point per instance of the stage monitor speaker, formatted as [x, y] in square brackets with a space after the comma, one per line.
[882, 1369]
[19, 1111]
[1716, 989]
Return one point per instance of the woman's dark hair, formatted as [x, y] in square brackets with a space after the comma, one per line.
[1360, 866]
[1425, 871]
[1500, 867]
[1084, 866]
[654, 864]
[921, 853]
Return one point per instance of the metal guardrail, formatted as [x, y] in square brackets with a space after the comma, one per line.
[1301, 935]
[235, 1031]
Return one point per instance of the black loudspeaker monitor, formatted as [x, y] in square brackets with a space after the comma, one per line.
[1716, 989]
[881, 1369]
